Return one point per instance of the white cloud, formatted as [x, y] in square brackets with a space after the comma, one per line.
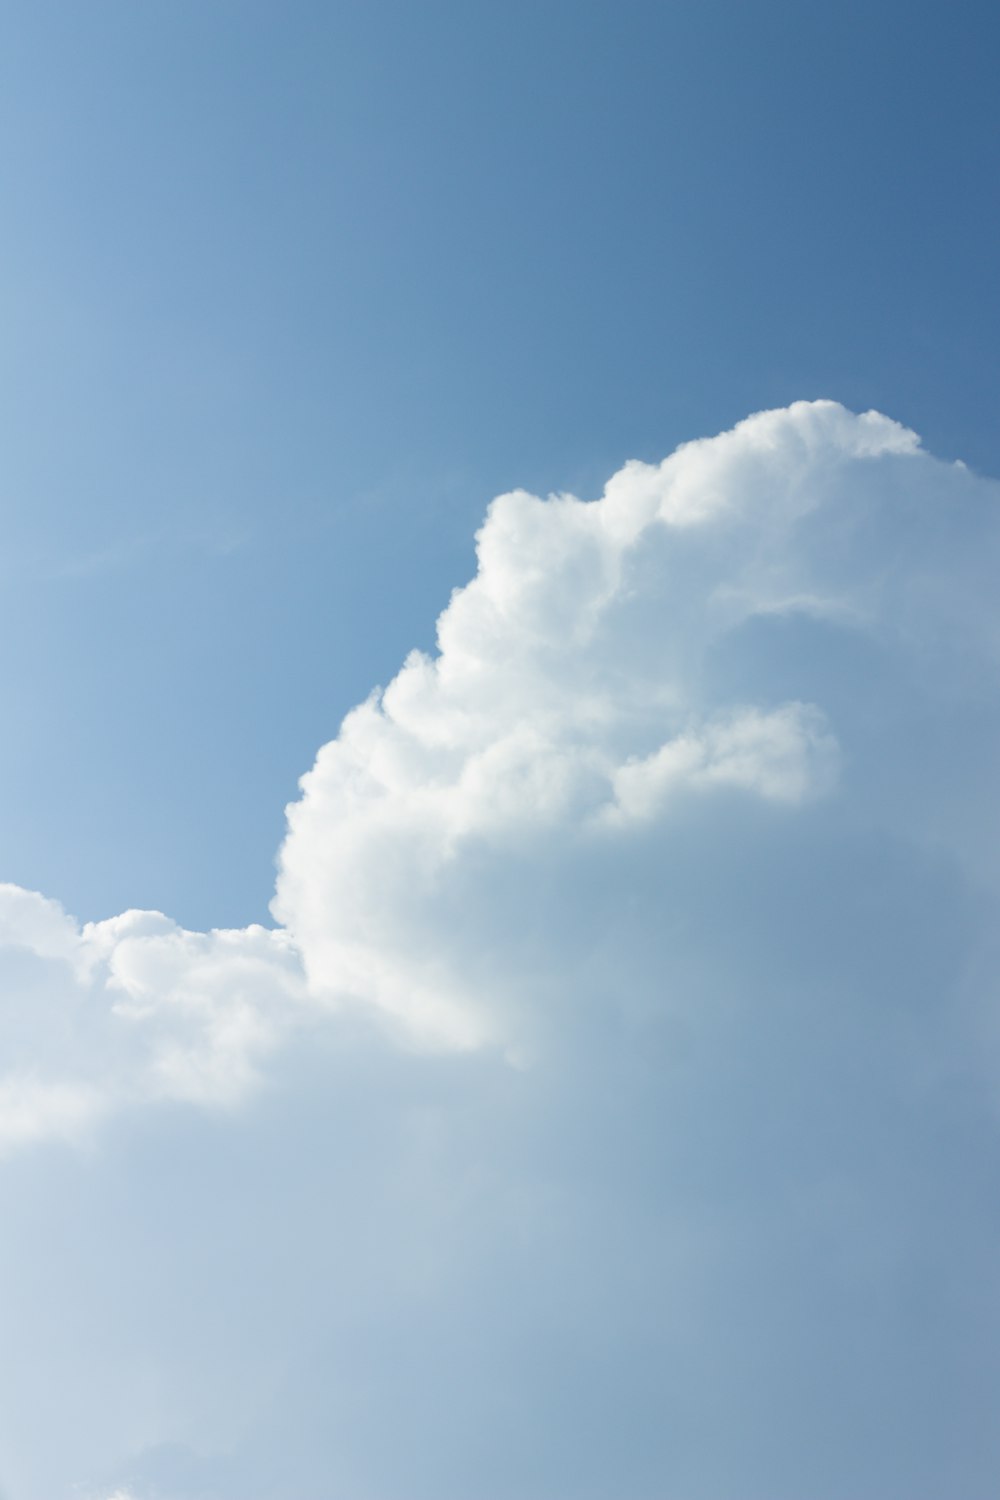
[130, 1011]
[784, 756]
[694, 812]
[576, 697]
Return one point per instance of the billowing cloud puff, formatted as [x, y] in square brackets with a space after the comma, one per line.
[130, 1010]
[743, 624]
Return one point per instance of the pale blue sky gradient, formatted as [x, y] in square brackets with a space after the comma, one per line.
[288, 292]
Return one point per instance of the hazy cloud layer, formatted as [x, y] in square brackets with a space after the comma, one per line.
[623, 1064]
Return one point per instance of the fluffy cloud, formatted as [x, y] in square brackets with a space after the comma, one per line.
[599, 678]
[618, 1083]
[128, 1011]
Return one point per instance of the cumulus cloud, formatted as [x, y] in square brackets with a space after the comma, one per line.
[575, 697]
[128, 1011]
[595, 679]
[623, 1056]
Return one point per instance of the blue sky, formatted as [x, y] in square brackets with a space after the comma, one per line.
[289, 294]
[603, 1103]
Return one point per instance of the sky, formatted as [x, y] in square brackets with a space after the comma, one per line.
[498, 801]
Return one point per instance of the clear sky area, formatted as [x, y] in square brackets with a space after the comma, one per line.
[289, 292]
[583, 1084]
